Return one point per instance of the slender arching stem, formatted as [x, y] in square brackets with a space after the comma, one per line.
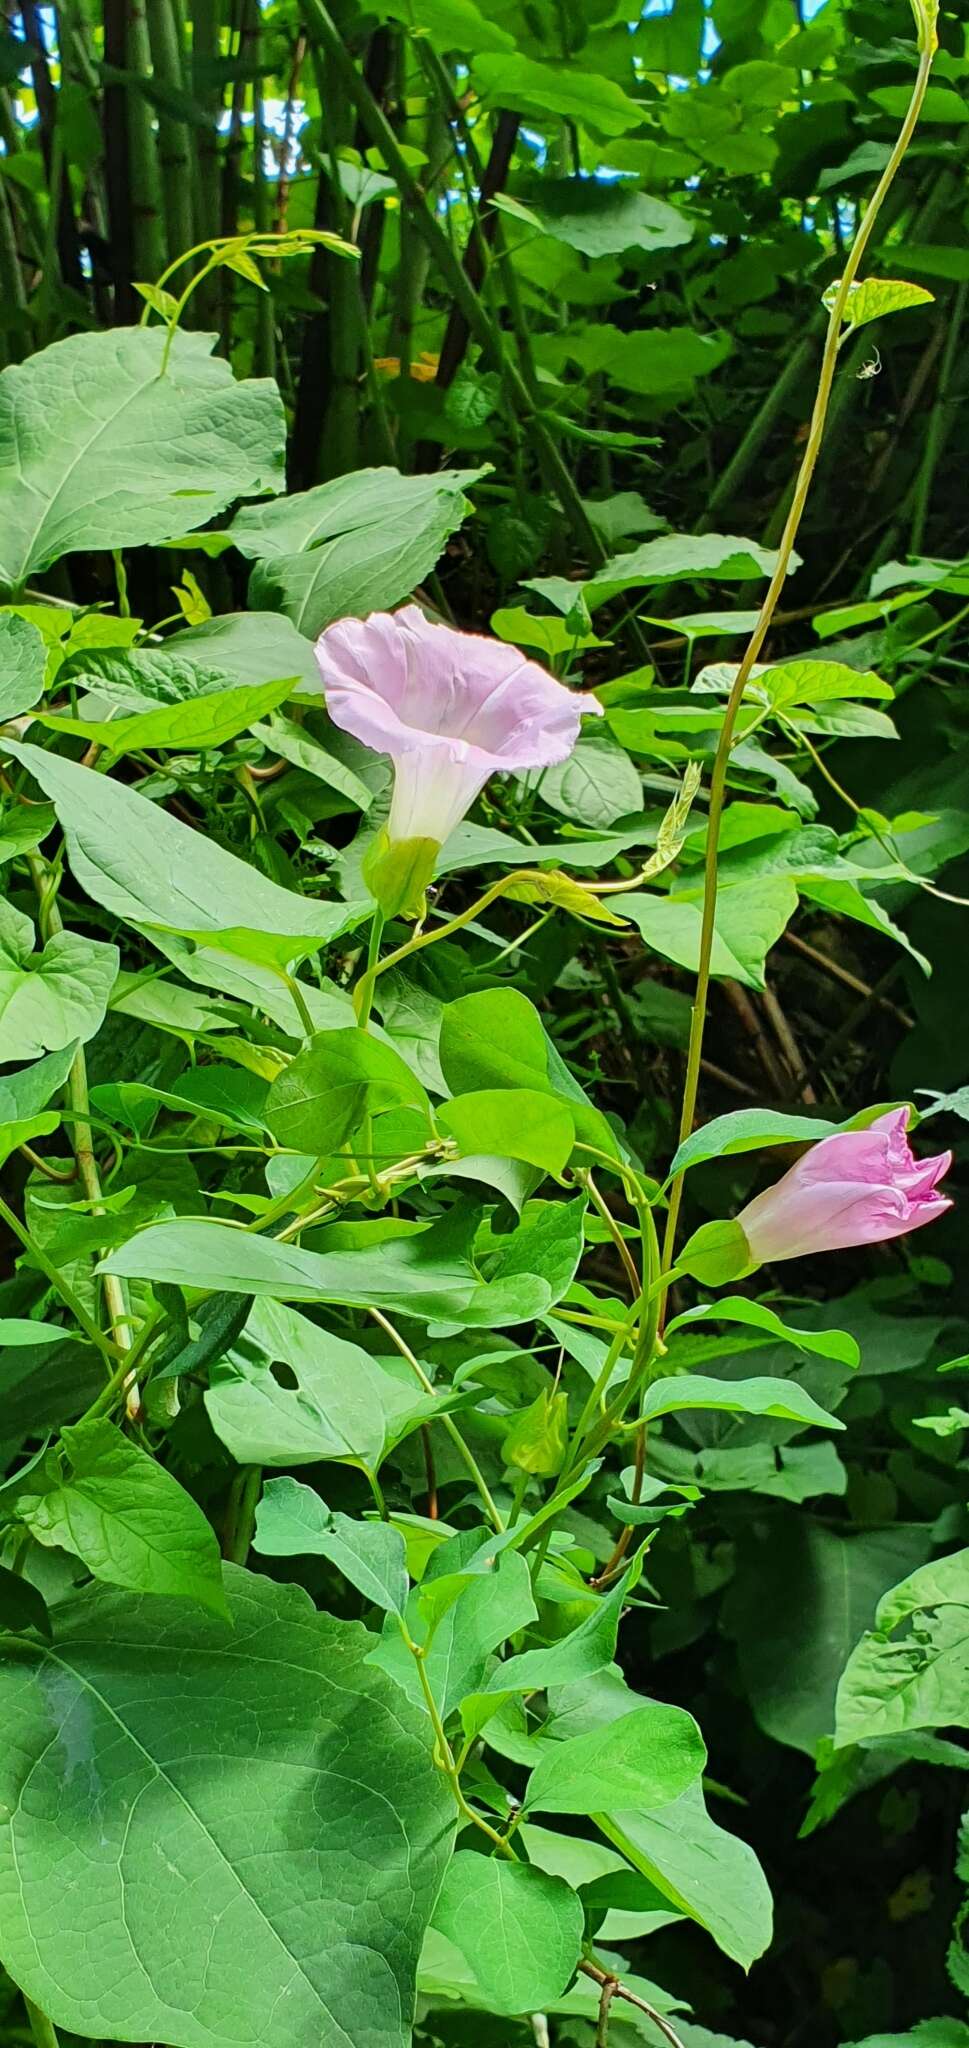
[718, 779]
[447, 1423]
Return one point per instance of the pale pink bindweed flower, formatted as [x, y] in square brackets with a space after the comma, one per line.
[857, 1187]
[451, 709]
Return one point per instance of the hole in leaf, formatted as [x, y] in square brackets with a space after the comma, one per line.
[284, 1375]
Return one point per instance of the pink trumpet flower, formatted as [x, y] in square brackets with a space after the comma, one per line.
[857, 1187]
[451, 709]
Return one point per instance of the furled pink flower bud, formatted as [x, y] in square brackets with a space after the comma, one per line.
[857, 1187]
[451, 709]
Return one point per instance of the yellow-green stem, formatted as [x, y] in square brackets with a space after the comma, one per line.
[718, 779]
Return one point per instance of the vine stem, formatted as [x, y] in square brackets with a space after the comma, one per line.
[59, 1284]
[613, 1987]
[444, 1754]
[42, 2029]
[115, 1293]
[447, 1424]
[718, 779]
[363, 995]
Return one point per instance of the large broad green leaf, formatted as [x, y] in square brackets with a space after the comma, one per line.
[792, 1472]
[912, 1669]
[519, 1930]
[800, 1601]
[660, 363]
[428, 1273]
[453, 24]
[353, 546]
[645, 1759]
[711, 1876]
[140, 863]
[528, 87]
[123, 1515]
[99, 449]
[750, 919]
[23, 664]
[51, 999]
[246, 1819]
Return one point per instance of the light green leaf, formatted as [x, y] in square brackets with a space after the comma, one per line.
[459, 1621]
[177, 1867]
[239, 648]
[141, 864]
[726, 556]
[750, 919]
[337, 1409]
[783, 1398]
[23, 829]
[747, 1130]
[23, 665]
[539, 1436]
[711, 1876]
[207, 721]
[146, 455]
[525, 86]
[428, 1273]
[845, 898]
[942, 105]
[584, 1651]
[818, 682]
[24, 1097]
[292, 1521]
[912, 1669]
[596, 785]
[606, 219]
[645, 1759]
[517, 1929]
[353, 546]
[735, 1308]
[340, 1077]
[874, 296]
[123, 1515]
[50, 999]
[511, 1123]
[496, 1039]
[451, 24]
[294, 744]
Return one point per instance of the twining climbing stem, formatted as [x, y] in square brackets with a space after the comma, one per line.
[925, 18]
